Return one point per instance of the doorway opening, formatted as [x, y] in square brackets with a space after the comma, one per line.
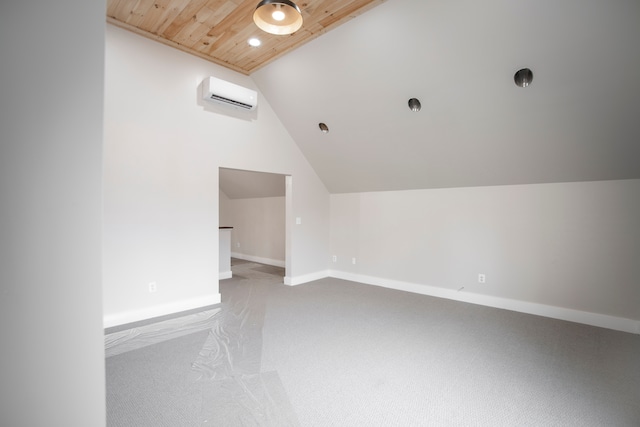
[255, 208]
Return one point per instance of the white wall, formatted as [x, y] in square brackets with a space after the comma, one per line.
[568, 245]
[163, 148]
[51, 82]
[224, 210]
[258, 229]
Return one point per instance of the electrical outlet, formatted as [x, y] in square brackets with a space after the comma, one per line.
[153, 286]
[353, 261]
[298, 220]
[482, 278]
[237, 244]
[335, 258]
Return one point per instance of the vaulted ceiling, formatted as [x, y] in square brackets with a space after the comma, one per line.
[577, 121]
[219, 30]
[240, 184]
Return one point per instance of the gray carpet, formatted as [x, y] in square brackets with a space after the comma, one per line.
[338, 353]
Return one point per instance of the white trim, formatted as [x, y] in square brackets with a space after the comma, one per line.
[131, 316]
[587, 318]
[225, 275]
[299, 280]
[260, 260]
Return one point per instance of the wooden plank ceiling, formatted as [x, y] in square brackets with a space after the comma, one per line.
[218, 30]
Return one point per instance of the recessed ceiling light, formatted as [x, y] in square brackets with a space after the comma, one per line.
[324, 128]
[414, 105]
[523, 77]
[254, 42]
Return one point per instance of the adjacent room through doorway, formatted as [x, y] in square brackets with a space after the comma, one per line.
[253, 206]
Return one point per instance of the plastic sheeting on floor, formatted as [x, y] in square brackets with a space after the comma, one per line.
[142, 336]
[227, 369]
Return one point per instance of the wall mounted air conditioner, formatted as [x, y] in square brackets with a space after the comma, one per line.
[227, 93]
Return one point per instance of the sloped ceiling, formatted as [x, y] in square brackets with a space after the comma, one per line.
[241, 184]
[579, 120]
[218, 30]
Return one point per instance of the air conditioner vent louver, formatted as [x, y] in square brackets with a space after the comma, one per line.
[231, 101]
[229, 94]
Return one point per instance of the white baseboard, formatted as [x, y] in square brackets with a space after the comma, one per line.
[260, 260]
[584, 317]
[225, 275]
[145, 313]
[299, 280]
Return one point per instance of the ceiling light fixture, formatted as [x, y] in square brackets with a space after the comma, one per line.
[414, 105]
[523, 78]
[279, 17]
[254, 42]
[324, 128]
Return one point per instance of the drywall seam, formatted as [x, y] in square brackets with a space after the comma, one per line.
[305, 278]
[584, 317]
[131, 316]
[260, 260]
